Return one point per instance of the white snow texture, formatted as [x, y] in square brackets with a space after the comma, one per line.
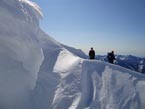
[37, 72]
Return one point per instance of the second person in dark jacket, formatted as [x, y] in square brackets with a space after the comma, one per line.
[92, 53]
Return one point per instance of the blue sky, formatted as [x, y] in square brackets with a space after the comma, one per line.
[106, 25]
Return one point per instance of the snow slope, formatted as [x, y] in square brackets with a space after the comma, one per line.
[37, 72]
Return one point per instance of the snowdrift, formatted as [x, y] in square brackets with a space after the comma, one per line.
[37, 72]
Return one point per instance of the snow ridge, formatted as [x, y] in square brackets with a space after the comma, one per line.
[100, 86]
[30, 8]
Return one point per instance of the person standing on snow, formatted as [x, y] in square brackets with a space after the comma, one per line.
[92, 53]
[111, 57]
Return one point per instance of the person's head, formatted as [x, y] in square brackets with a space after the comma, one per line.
[91, 48]
[112, 52]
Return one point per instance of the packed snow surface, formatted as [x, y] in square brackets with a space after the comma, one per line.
[37, 72]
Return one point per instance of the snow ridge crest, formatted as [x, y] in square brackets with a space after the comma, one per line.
[22, 9]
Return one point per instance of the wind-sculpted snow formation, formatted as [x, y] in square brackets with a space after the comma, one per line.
[37, 72]
[20, 53]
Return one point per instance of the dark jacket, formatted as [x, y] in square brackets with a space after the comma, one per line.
[111, 57]
[92, 54]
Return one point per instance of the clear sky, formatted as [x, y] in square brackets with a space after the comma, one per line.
[106, 25]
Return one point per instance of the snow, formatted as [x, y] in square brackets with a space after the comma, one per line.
[37, 72]
[69, 61]
[20, 56]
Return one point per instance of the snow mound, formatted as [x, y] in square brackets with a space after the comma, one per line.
[37, 72]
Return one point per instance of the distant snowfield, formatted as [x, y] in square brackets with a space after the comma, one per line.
[37, 72]
[128, 61]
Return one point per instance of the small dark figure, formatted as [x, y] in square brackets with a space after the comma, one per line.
[92, 54]
[111, 57]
